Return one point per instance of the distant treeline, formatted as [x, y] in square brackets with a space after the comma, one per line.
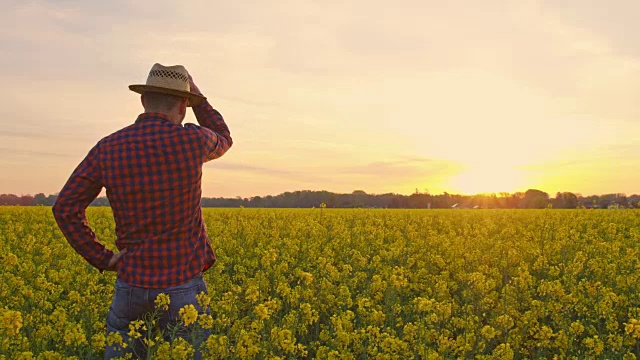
[531, 199]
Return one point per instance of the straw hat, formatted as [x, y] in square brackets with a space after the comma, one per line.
[172, 80]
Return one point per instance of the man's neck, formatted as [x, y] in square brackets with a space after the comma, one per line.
[175, 118]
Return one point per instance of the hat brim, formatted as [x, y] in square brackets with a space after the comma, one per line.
[194, 99]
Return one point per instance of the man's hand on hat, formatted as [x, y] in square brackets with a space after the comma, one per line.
[193, 86]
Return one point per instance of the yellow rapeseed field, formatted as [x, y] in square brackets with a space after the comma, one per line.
[350, 284]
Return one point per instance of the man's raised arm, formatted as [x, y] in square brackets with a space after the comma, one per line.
[218, 140]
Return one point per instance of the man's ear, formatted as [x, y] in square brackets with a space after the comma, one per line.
[183, 106]
[142, 100]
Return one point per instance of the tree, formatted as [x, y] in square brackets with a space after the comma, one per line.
[534, 199]
[565, 200]
[40, 199]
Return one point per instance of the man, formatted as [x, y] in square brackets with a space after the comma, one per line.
[152, 173]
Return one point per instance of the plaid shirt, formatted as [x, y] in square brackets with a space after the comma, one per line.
[152, 172]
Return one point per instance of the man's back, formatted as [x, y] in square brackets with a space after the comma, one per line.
[149, 175]
[152, 171]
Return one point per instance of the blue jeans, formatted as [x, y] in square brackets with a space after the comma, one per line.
[132, 303]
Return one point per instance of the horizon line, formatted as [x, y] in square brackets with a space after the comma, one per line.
[378, 194]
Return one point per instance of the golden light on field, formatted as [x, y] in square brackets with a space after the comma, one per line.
[376, 255]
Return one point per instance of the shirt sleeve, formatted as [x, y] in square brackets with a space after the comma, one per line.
[81, 189]
[214, 133]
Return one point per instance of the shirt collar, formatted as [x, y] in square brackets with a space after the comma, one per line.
[153, 116]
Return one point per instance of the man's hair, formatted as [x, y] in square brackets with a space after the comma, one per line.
[154, 101]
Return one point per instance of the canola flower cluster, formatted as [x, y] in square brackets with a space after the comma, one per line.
[349, 284]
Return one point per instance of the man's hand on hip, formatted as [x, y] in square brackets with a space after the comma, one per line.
[113, 263]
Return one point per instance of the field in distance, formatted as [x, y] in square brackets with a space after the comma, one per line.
[353, 284]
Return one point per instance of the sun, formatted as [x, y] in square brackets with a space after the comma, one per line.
[487, 178]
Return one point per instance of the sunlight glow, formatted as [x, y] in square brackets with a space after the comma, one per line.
[478, 179]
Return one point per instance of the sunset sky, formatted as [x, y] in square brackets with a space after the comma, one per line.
[456, 96]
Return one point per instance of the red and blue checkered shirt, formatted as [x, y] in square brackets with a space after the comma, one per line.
[152, 173]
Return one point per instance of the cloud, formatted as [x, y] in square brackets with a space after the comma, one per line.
[253, 169]
[7, 152]
[614, 27]
[403, 168]
[291, 174]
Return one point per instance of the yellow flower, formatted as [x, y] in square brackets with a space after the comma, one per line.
[98, 340]
[309, 315]
[26, 355]
[148, 342]
[503, 352]
[59, 317]
[633, 328]
[488, 332]
[504, 322]
[594, 344]
[74, 335]
[10, 321]
[162, 302]
[203, 300]
[262, 310]
[11, 259]
[216, 347]
[423, 305]
[283, 338]
[134, 326]
[543, 335]
[189, 314]
[246, 347]
[205, 321]
[252, 293]
[163, 352]
[51, 355]
[307, 278]
[115, 339]
[74, 297]
[181, 349]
